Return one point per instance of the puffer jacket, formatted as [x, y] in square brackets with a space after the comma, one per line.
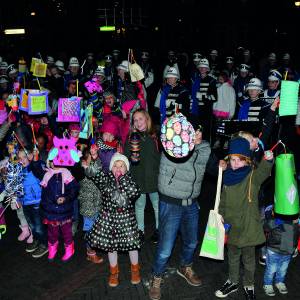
[182, 181]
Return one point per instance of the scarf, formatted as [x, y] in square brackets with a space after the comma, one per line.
[244, 110]
[232, 177]
[163, 99]
[65, 175]
[195, 89]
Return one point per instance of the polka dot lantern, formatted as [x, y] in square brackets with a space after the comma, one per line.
[177, 136]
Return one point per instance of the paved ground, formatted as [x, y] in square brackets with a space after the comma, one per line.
[23, 277]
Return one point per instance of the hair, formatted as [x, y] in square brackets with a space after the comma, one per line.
[244, 134]
[150, 127]
[248, 160]
[225, 75]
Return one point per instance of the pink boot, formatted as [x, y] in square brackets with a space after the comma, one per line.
[69, 251]
[52, 250]
[25, 233]
[30, 238]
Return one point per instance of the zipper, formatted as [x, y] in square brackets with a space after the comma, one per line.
[172, 176]
[194, 177]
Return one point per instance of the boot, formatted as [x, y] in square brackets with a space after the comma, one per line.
[25, 233]
[113, 280]
[135, 274]
[52, 250]
[93, 257]
[69, 251]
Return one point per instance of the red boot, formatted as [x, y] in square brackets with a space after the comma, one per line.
[69, 251]
[52, 250]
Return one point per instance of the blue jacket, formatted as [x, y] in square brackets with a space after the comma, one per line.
[49, 207]
[32, 188]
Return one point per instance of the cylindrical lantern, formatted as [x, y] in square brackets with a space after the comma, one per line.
[22, 66]
[288, 98]
[286, 191]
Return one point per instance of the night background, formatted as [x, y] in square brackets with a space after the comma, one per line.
[72, 27]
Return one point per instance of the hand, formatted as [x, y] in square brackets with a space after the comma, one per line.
[268, 155]
[61, 200]
[223, 164]
[124, 114]
[275, 104]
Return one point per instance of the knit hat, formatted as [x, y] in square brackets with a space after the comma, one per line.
[124, 65]
[239, 146]
[272, 56]
[254, 84]
[171, 73]
[73, 62]
[74, 126]
[244, 68]
[108, 58]
[11, 69]
[99, 71]
[3, 65]
[274, 75]
[286, 56]
[213, 52]
[111, 124]
[196, 56]
[60, 65]
[49, 60]
[203, 63]
[229, 60]
[3, 79]
[118, 156]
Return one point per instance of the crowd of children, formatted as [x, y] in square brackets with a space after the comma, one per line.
[57, 174]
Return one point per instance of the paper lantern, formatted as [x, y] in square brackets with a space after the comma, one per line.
[68, 109]
[34, 60]
[40, 69]
[86, 122]
[177, 136]
[38, 103]
[286, 190]
[24, 98]
[288, 98]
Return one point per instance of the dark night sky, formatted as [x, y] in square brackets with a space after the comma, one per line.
[186, 24]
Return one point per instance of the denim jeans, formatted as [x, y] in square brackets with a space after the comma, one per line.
[276, 265]
[33, 217]
[173, 218]
[140, 209]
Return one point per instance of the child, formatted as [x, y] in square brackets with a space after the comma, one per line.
[115, 229]
[89, 196]
[239, 208]
[145, 169]
[59, 190]
[282, 238]
[30, 202]
[109, 143]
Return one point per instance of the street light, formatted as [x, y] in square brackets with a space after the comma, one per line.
[32, 13]
[297, 3]
[14, 31]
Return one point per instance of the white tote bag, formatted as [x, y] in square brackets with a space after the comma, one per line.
[213, 241]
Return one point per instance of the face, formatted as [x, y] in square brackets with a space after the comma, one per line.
[23, 159]
[243, 74]
[119, 168]
[253, 143]
[121, 73]
[172, 81]
[253, 93]
[273, 84]
[236, 162]
[107, 137]
[75, 134]
[109, 100]
[72, 89]
[44, 120]
[198, 137]
[74, 69]
[54, 71]
[3, 85]
[140, 121]
[221, 79]
[203, 71]
[40, 143]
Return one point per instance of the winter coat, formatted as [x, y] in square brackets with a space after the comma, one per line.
[31, 187]
[281, 238]
[182, 181]
[89, 195]
[239, 208]
[145, 172]
[116, 228]
[52, 211]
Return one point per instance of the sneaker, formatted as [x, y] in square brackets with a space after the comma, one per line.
[269, 290]
[282, 289]
[155, 237]
[227, 288]
[189, 275]
[249, 293]
[32, 247]
[40, 251]
[262, 261]
[154, 291]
